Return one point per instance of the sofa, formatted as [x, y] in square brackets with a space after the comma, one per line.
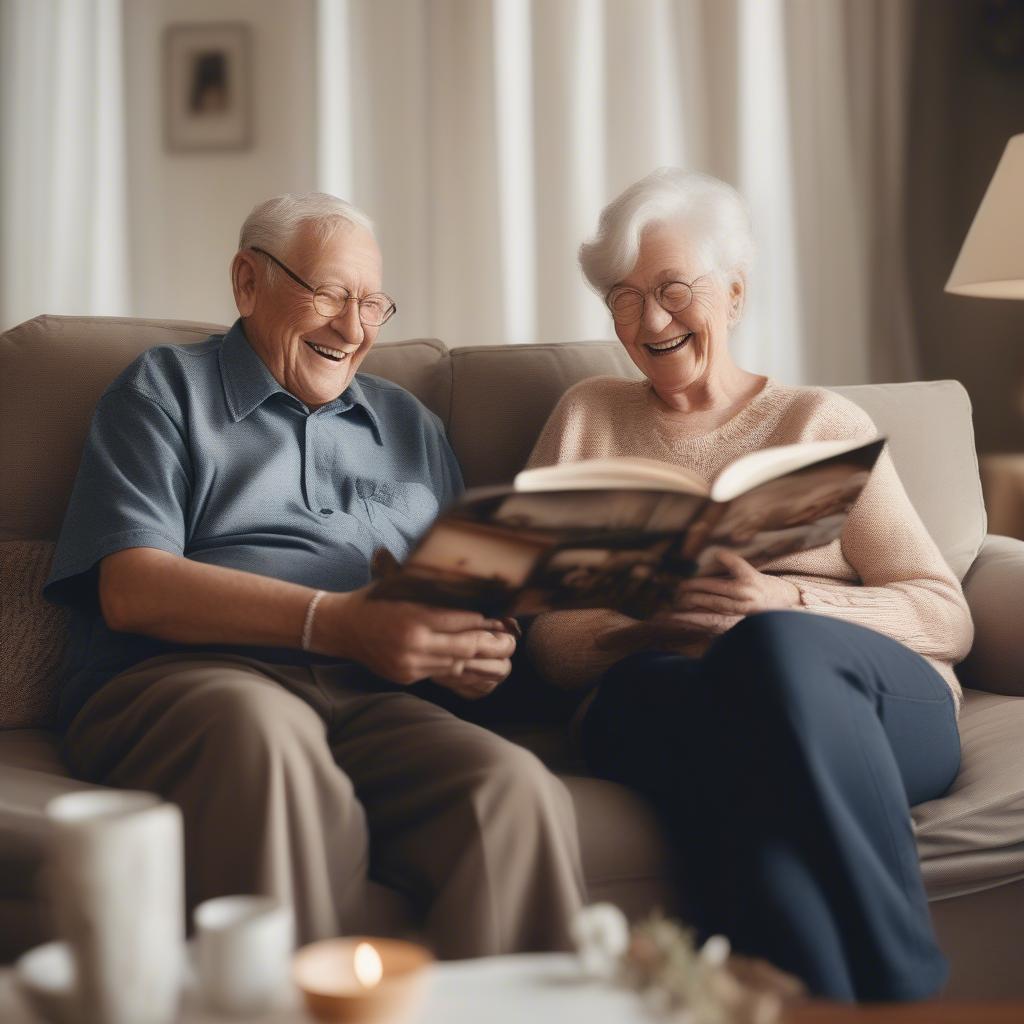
[493, 401]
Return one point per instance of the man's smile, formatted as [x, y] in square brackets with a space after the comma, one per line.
[663, 348]
[335, 355]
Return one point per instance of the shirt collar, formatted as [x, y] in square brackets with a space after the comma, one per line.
[248, 383]
[355, 394]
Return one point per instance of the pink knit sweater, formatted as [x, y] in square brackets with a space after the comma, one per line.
[885, 572]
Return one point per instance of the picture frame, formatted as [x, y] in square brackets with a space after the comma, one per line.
[207, 87]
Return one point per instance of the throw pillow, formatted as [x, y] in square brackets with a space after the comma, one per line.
[34, 634]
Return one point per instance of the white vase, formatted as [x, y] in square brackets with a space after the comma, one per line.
[117, 883]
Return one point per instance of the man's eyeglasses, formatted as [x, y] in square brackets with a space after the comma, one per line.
[332, 300]
[627, 304]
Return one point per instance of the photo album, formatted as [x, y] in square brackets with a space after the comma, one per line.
[622, 533]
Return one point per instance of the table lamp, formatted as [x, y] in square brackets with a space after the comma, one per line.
[991, 260]
[991, 265]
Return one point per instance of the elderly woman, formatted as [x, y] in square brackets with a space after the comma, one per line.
[782, 718]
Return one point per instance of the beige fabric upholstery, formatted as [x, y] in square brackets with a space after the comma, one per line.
[625, 857]
[994, 588]
[981, 937]
[52, 371]
[420, 365]
[33, 634]
[33, 774]
[973, 838]
[932, 445]
[502, 394]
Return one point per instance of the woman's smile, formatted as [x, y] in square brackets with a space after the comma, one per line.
[664, 348]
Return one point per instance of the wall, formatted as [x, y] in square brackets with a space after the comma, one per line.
[185, 209]
[965, 106]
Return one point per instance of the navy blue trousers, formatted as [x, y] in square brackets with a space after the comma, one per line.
[785, 761]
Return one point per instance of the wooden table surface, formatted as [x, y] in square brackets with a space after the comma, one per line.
[909, 1013]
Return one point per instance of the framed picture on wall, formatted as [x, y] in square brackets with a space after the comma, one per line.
[207, 87]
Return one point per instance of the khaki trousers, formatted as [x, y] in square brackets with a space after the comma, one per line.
[299, 782]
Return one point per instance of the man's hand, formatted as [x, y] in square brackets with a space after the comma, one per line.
[711, 605]
[477, 677]
[405, 642]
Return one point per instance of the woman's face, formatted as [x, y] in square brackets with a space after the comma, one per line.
[677, 350]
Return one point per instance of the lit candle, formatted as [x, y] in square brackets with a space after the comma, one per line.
[367, 964]
[361, 980]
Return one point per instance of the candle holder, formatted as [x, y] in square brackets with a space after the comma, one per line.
[361, 979]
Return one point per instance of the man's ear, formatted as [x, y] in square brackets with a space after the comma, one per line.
[737, 293]
[243, 282]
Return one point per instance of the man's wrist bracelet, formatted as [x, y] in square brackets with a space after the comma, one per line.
[307, 625]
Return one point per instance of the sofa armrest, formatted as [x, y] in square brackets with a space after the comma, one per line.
[994, 587]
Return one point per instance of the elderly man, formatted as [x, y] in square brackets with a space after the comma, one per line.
[216, 553]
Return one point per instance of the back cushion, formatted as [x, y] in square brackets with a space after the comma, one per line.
[53, 370]
[502, 395]
[932, 442]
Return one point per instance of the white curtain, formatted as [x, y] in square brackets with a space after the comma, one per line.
[484, 136]
[62, 184]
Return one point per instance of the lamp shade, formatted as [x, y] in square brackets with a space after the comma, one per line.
[991, 261]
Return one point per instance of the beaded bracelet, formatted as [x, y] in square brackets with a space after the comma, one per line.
[307, 626]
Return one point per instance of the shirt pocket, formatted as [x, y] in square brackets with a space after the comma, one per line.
[399, 511]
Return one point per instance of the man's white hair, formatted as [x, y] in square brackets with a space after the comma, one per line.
[710, 215]
[274, 223]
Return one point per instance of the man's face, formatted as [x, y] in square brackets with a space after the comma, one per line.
[310, 355]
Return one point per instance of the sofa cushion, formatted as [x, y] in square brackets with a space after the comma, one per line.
[993, 587]
[34, 634]
[973, 837]
[33, 774]
[419, 365]
[932, 445]
[53, 370]
[502, 394]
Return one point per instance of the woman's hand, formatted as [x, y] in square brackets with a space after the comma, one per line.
[714, 604]
[705, 607]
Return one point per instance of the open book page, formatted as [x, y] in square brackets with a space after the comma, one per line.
[750, 470]
[611, 473]
[805, 508]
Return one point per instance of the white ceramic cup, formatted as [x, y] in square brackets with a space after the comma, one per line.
[116, 878]
[47, 977]
[244, 948]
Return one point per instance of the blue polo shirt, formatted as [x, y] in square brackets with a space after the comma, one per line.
[199, 451]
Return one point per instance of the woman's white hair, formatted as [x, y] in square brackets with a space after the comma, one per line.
[274, 223]
[710, 215]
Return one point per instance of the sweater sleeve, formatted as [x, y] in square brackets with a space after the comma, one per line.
[907, 591]
[563, 645]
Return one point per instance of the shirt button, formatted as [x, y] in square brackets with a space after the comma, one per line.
[327, 511]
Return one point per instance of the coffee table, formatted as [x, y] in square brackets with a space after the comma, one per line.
[548, 989]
